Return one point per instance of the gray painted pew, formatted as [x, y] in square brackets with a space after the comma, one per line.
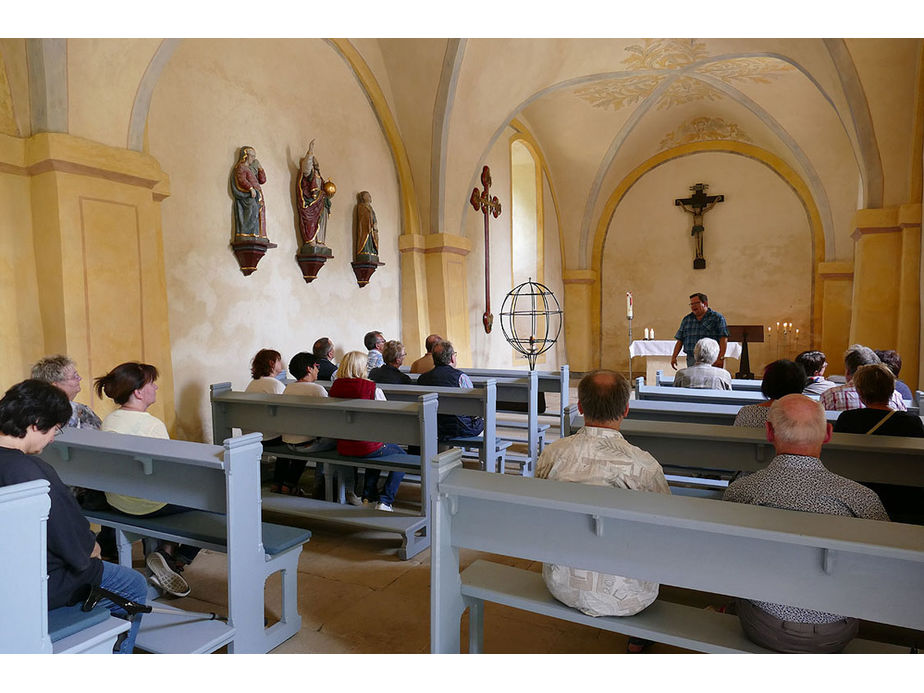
[703, 447]
[738, 397]
[863, 568]
[738, 384]
[480, 401]
[27, 626]
[393, 422]
[222, 484]
[689, 412]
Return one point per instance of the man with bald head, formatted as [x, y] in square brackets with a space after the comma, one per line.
[797, 480]
[425, 362]
[599, 455]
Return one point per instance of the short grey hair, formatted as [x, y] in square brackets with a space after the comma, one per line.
[706, 351]
[858, 355]
[53, 369]
[393, 351]
[798, 420]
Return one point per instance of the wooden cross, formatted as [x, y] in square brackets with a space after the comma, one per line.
[698, 204]
[482, 202]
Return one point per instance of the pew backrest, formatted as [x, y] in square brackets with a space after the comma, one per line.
[24, 512]
[862, 568]
[740, 384]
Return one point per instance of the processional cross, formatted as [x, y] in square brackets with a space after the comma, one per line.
[484, 203]
[698, 204]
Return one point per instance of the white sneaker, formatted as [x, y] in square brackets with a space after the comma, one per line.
[353, 499]
[384, 506]
[165, 578]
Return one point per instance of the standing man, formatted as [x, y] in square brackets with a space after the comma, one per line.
[701, 322]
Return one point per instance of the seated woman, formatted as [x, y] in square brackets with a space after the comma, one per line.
[702, 374]
[131, 385]
[875, 384]
[781, 378]
[351, 383]
[31, 414]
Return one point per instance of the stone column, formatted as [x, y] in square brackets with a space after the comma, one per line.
[582, 324]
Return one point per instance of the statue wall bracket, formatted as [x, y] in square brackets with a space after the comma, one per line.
[249, 250]
[311, 258]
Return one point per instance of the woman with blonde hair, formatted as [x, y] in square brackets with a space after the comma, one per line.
[352, 383]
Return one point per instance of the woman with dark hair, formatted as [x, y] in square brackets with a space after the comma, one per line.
[31, 414]
[781, 378]
[131, 385]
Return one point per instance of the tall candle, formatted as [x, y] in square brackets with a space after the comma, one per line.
[652, 333]
[646, 333]
[629, 305]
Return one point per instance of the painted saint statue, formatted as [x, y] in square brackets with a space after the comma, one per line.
[249, 207]
[366, 233]
[313, 194]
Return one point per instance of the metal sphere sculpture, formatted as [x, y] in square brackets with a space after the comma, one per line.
[530, 319]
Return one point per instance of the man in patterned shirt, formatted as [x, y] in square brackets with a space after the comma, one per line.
[845, 397]
[796, 480]
[700, 322]
[600, 456]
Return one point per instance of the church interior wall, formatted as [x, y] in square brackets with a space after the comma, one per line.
[758, 249]
[213, 98]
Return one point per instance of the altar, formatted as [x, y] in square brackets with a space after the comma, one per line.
[657, 355]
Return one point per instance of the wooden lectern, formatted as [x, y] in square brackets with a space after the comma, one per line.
[745, 334]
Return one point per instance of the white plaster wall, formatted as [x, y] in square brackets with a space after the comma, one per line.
[758, 250]
[276, 95]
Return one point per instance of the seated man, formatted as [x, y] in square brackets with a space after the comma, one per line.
[702, 374]
[814, 363]
[374, 342]
[844, 397]
[393, 355]
[31, 414]
[796, 480]
[425, 362]
[599, 455]
[891, 358]
[445, 374]
[323, 351]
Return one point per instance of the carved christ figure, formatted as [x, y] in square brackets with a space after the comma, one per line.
[698, 204]
[249, 207]
[313, 200]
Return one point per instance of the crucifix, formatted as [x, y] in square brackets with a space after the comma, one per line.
[484, 203]
[698, 204]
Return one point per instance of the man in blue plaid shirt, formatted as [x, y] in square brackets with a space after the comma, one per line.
[701, 322]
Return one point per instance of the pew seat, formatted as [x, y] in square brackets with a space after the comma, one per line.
[73, 631]
[680, 625]
[199, 528]
[476, 444]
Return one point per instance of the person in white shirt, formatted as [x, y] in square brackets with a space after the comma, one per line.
[702, 374]
[303, 367]
[131, 385]
[265, 370]
[599, 455]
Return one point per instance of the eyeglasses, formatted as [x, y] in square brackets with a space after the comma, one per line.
[58, 430]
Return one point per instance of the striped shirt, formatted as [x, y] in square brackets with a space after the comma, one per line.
[845, 397]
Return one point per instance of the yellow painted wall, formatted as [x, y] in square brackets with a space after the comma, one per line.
[758, 250]
[211, 99]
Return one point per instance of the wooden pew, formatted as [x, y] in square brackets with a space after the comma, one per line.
[724, 449]
[354, 419]
[480, 401]
[222, 484]
[862, 568]
[26, 626]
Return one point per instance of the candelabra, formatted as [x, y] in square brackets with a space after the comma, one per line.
[783, 340]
